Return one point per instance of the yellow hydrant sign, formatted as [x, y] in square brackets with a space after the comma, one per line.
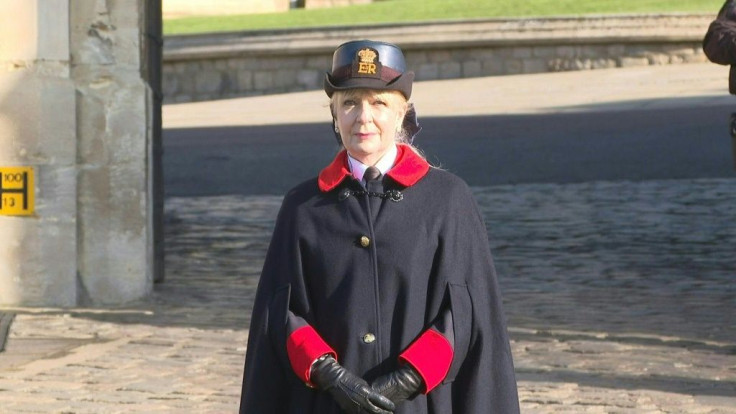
[16, 191]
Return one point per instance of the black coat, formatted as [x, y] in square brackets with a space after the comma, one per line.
[719, 43]
[427, 253]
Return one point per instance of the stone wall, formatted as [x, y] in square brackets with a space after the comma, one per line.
[113, 142]
[38, 252]
[215, 66]
[74, 109]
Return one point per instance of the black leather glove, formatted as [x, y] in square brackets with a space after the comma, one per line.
[399, 385]
[351, 393]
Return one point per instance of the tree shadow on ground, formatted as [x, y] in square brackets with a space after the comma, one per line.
[580, 146]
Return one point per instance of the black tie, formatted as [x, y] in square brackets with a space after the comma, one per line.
[371, 173]
[372, 176]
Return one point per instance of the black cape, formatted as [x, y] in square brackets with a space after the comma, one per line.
[428, 251]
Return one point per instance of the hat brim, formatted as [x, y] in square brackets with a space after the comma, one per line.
[402, 83]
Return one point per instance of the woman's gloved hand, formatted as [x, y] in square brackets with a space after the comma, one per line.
[351, 393]
[399, 385]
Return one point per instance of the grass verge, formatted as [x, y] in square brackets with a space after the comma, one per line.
[403, 11]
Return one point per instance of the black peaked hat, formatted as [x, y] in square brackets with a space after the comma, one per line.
[368, 64]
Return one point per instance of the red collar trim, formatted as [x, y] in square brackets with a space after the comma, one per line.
[408, 169]
[334, 173]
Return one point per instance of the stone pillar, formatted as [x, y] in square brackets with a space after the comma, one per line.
[38, 129]
[74, 107]
[113, 200]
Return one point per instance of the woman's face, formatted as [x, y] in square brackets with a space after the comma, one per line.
[368, 121]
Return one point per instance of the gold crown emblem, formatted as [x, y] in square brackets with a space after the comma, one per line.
[367, 55]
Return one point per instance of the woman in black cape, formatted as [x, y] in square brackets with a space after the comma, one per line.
[378, 293]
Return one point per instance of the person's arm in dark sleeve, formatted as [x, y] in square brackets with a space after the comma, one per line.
[423, 365]
[304, 346]
[719, 43]
[432, 352]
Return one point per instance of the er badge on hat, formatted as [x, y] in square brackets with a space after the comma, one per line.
[366, 63]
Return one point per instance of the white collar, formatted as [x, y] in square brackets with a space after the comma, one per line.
[384, 165]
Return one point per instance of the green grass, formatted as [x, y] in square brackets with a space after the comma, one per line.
[402, 11]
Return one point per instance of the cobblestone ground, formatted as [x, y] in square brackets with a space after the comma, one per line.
[654, 257]
[620, 298]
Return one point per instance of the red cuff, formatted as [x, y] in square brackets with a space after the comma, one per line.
[431, 355]
[304, 346]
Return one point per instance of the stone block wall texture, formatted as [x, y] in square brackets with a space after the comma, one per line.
[74, 108]
[38, 253]
[113, 140]
[220, 66]
[183, 8]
